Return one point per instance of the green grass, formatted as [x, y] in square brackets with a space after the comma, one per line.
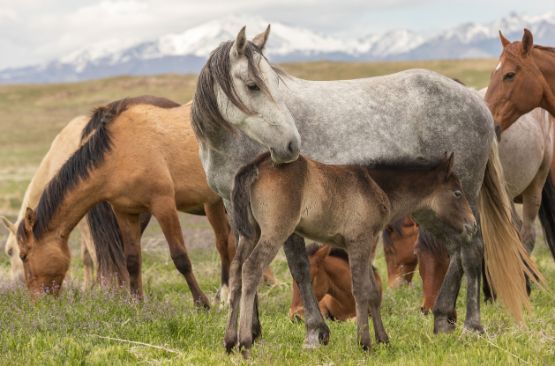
[96, 327]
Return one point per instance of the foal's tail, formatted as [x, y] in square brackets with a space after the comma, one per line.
[241, 198]
[547, 213]
[506, 260]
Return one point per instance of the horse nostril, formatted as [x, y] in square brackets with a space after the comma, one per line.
[292, 147]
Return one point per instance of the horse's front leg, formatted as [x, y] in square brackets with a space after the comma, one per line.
[317, 330]
[251, 274]
[359, 255]
[444, 308]
[472, 259]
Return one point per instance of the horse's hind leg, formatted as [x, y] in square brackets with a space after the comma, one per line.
[251, 274]
[317, 330]
[165, 211]
[131, 236]
[244, 248]
[215, 213]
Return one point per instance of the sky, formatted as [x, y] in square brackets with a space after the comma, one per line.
[35, 31]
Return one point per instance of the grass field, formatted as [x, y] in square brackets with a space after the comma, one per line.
[96, 327]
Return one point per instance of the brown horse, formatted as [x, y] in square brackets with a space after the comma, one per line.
[331, 281]
[346, 206]
[399, 243]
[524, 79]
[139, 158]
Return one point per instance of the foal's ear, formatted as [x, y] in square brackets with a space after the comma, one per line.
[240, 43]
[30, 219]
[9, 225]
[322, 253]
[504, 41]
[447, 164]
[261, 39]
[527, 42]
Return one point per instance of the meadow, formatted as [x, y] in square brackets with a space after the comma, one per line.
[96, 327]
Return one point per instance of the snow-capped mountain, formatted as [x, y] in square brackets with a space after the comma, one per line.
[186, 52]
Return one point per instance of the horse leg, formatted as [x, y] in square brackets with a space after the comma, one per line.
[235, 285]
[251, 275]
[130, 229]
[317, 330]
[215, 213]
[165, 211]
[444, 308]
[531, 201]
[426, 267]
[472, 257]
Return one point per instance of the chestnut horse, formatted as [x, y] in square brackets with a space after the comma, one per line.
[331, 279]
[399, 245]
[344, 205]
[140, 158]
[524, 79]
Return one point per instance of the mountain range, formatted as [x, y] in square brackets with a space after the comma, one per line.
[187, 51]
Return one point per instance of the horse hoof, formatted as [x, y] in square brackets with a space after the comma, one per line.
[230, 340]
[424, 311]
[324, 334]
[474, 327]
[383, 339]
[443, 325]
[245, 346]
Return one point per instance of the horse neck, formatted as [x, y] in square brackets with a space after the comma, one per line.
[546, 63]
[75, 204]
[406, 190]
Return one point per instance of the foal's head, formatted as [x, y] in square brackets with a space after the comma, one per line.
[45, 259]
[447, 199]
[238, 87]
[517, 85]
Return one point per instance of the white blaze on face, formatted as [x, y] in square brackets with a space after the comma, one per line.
[498, 66]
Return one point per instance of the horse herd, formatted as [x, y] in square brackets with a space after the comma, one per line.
[416, 155]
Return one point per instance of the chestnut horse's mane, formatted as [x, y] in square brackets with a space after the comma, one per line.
[88, 157]
[544, 48]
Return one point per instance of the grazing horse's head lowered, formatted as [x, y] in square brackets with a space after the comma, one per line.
[518, 83]
[237, 88]
[45, 257]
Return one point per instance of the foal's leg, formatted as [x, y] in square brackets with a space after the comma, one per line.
[244, 248]
[444, 308]
[253, 267]
[472, 259]
[317, 330]
[215, 213]
[131, 236]
[165, 211]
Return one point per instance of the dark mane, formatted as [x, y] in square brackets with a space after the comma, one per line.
[408, 164]
[544, 48]
[428, 242]
[143, 99]
[205, 114]
[88, 157]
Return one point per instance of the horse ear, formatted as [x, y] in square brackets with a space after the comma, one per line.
[504, 41]
[30, 219]
[450, 161]
[9, 225]
[261, 39]
[240, 43]
[322, 253]
[527, 41]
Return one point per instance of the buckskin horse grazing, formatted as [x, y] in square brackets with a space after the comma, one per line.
[330, 276]
[63, 145]
[344, 205]
[139, 158]
[243, 106]
[399, 245]
[524, 79]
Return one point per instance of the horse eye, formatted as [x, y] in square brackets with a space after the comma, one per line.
[10, 252]
[253, 87]
[458, 194]
[509, 76]
[23, 257]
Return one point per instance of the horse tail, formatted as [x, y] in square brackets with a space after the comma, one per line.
[241, 198]
[506, 260]
[547, 213]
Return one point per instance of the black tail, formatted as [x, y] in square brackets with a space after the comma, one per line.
[547, 213]
[241, 198]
